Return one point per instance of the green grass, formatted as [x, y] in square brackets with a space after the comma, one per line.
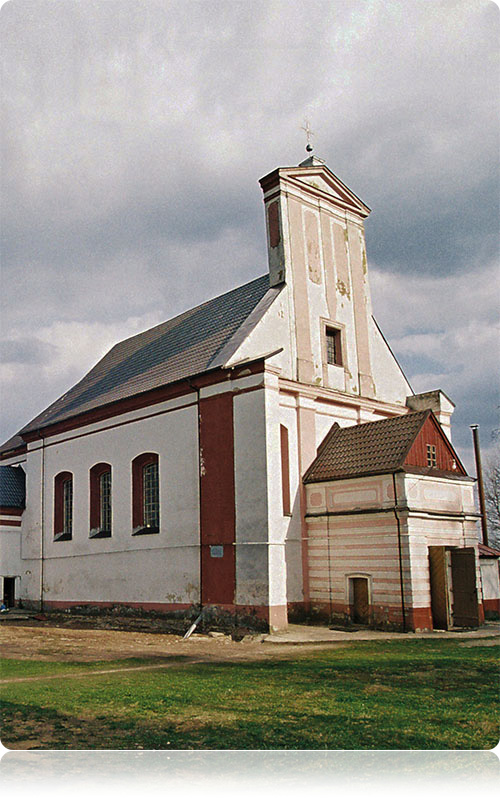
[386, 695]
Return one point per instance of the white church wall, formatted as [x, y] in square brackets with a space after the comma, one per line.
[276, 519]
[251, 500]
[291, 526]
[490, 579]
[160, 568]
[271, 333]
[390, 382]
[343, 311]
[10, 550]
[14, 461]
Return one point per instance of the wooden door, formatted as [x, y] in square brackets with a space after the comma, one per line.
[360, 605]
[463, 576]
[9, 593]
[439, 587]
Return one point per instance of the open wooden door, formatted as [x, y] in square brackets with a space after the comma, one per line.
[439, 587]
[360, 601]
[463, 572]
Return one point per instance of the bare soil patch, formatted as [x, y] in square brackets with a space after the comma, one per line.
[37, 640]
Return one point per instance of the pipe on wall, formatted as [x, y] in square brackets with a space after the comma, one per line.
[42, 522]
[399, 551]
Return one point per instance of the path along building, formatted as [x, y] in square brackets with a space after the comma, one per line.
[184, 469]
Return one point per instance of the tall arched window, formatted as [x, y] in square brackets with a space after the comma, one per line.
[145, 494]
[63, 506]
[100, 500]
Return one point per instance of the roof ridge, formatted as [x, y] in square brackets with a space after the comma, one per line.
[184, 345]
[362, 448]
[186, 311]
[405, 415]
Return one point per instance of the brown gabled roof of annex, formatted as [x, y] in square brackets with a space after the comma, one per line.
[380, 446]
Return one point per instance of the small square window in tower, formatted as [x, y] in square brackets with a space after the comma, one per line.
[333, 347]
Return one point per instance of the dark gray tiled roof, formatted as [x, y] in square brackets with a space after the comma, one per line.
[13, 444]
[12, 486]
[187, 345]
[367, 448]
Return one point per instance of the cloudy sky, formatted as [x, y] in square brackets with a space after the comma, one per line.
[134, 135]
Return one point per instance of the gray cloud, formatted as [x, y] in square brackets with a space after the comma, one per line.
[134, 135]
[25, 351]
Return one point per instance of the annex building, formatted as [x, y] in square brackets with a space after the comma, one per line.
[261, 455]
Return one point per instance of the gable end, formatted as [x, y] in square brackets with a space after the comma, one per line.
[432, 435]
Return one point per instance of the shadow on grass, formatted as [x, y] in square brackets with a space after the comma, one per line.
[33, 727]
[361, 698]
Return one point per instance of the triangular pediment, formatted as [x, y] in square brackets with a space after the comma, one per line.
[319, 179]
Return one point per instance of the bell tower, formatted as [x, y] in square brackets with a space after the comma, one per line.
[316, 246]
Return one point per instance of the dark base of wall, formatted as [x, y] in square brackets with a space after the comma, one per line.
[491, 608]
[176, 617]
[384, 618]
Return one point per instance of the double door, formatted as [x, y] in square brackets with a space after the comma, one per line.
[453, 587]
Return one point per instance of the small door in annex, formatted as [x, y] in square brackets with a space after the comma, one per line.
[453, 587]
[438, 568]
[465, 610]
[359, 598]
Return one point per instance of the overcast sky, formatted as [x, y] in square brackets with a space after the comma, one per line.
[134, 136]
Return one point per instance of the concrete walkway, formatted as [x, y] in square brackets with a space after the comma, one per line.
[295, 634]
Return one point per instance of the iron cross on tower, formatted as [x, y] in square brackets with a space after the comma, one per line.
[307, 128]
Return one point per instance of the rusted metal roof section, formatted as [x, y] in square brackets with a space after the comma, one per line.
[486, 550]
[12, 487]
[369, 448]
[185, 346]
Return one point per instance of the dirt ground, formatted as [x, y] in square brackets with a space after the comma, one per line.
[32, 640]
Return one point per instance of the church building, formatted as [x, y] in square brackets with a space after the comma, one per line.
[261, 457]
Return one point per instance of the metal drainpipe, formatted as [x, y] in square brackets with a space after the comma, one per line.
[400, 551]
[480, 486]
[197, 390]
[329, 567]
[42, 527]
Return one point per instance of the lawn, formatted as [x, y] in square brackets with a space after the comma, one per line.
[417, 694]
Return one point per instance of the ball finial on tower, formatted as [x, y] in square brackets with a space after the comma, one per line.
[307, 128]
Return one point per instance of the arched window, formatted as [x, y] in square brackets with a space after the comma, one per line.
[100, 500]
[145, 494]
[63, 506]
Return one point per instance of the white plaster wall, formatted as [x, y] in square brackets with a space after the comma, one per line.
[289, 527]
[439, 494]
[390, 382]
[490, 578]
[14, 461]
[147, 575]
[251, 495]
[159, 568]
[368, 492]
[425, 531]
[345, 311]
[277, 522]
[270, 333]
[10, 551]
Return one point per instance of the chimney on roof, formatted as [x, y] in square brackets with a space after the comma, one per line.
[436, 401]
